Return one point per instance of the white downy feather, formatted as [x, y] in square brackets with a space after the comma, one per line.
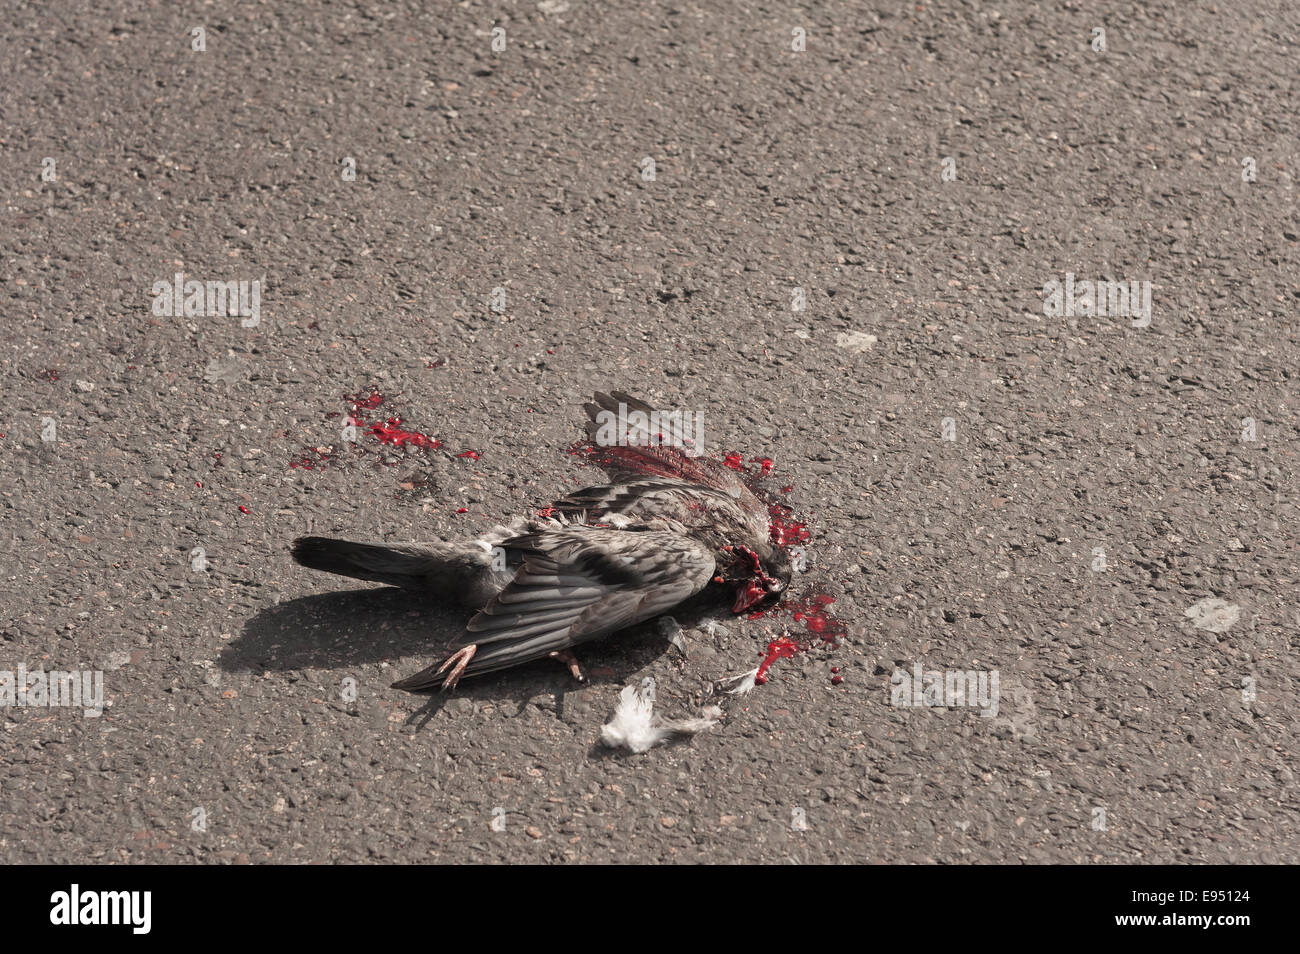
[738, 685]
[636, 727]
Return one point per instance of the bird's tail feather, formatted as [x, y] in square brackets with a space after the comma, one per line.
[462, 572]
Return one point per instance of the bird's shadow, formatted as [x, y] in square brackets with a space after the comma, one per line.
[339, 629]
[345, 628]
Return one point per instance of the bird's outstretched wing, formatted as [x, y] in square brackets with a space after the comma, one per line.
[647, 459]
[575, 584]
[645, 498]
[662, 450]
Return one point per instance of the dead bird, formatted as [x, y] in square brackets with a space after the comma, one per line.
[669, 524]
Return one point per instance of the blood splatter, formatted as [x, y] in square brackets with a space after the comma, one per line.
[811, 611]
[821, 630]
[785, 531]
[367, 403]
[392, 432]
[781, 648]
[305, 462]
[389, 430]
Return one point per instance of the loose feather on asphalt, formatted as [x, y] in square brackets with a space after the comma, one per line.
[605, 558]
[634, 725]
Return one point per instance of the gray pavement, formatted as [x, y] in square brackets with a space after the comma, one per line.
[1100, 508]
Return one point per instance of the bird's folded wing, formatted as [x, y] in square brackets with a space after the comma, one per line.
[580, 583]
[576, 584]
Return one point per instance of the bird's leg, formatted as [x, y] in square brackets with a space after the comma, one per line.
[567, 657]
[461, 659]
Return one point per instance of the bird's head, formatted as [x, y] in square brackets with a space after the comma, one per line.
[769, 576]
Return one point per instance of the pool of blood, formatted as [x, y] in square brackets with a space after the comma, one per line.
[820, 629]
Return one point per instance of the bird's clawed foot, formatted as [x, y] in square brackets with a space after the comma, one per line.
[567, 657]
[460, 658]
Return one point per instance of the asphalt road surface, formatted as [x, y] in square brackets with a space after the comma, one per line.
[463, 219]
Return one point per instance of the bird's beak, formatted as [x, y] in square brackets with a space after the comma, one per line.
[747, 594]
